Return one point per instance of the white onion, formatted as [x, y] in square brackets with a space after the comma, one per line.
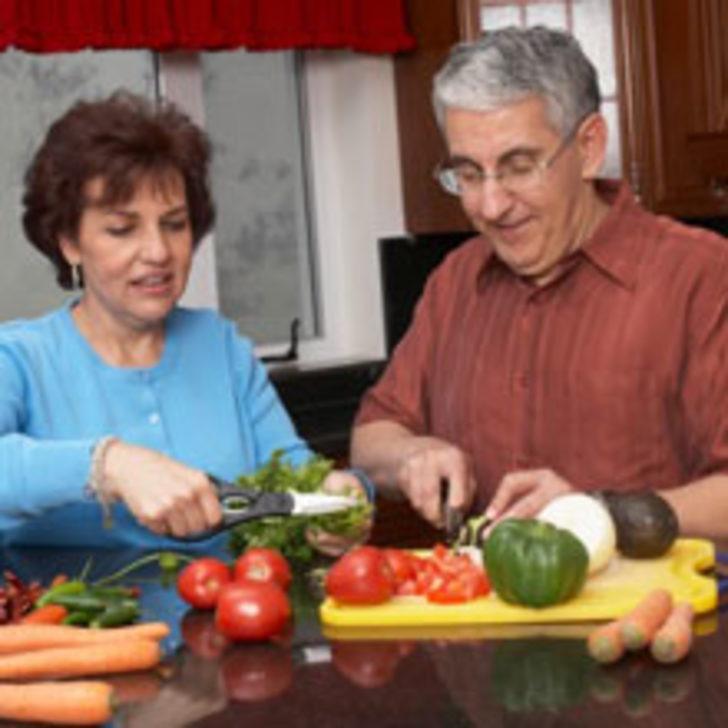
[589, 520]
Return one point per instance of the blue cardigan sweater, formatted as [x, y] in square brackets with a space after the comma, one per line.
[207, 402]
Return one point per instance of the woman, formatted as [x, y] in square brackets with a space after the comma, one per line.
[121, 396]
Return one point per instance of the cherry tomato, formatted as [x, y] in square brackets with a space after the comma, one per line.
[263, 564]
[251, 610]
[367, 664]
[361, 576]
[256, 672]
[201, 637]
[200, 582]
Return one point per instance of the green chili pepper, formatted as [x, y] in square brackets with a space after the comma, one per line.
[80, 602]
[116, 614]
[67, 588]
[79, 618]
[109, 592]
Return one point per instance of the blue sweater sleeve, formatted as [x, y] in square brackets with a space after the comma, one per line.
[272, 428]
[35, 475]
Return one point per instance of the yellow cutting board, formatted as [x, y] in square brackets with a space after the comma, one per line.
[606, 595]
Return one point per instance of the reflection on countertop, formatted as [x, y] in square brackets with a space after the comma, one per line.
[529, 676]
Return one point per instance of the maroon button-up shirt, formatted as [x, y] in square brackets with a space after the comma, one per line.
[614, 375]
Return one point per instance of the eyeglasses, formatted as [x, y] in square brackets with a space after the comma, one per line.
[516, 174]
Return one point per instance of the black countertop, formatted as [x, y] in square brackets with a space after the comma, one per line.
[322, 399]
[489, 676]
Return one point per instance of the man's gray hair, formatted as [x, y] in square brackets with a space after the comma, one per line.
[507, 65]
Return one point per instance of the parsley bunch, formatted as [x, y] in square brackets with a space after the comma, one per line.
[286, 533]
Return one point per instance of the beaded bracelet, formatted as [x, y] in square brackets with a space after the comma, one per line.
[97, 476]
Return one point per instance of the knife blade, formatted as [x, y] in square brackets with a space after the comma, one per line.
[453, 517]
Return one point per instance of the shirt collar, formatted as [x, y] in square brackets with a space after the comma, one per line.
[610, 246]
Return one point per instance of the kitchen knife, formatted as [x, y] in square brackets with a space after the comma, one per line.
[453, 517]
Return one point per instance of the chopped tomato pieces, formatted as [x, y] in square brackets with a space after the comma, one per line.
[442, 577]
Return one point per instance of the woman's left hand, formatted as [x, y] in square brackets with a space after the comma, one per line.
[332, 544]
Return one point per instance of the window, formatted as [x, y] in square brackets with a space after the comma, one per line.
[36, 89]
[306, 180]
[590, 21]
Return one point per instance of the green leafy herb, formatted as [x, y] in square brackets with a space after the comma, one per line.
[287, 534]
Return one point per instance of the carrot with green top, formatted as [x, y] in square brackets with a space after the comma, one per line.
[24, 637]
[111, 657]
[80, 702]
[605, 643]
[673, 640]
[639, 626]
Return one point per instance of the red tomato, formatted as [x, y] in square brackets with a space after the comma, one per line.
[201, 637]
[360, 576]
[251, 610]
[256, 672]
[200, 582]
[367, 664]
[262, 564]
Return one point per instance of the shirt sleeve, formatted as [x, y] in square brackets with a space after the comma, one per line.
[35, 475]
[272, 428]
[704, 380]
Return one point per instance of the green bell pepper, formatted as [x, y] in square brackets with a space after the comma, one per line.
[533, 563]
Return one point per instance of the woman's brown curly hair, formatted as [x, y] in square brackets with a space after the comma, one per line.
[119, 139]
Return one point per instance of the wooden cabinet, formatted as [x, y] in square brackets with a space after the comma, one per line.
[437, 25]
[673, 73]
[672, 69]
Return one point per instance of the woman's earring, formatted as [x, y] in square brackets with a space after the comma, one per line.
[76, 277]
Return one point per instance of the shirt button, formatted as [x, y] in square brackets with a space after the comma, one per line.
[154, 418]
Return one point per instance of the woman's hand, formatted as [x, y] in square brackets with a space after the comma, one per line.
[332, 544]
[164, 495]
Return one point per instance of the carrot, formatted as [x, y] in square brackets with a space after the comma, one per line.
[61, 703]
[24, 637]
[111, 657]
[605, 643]
[640, 625]
[47, 614]
[673, 640]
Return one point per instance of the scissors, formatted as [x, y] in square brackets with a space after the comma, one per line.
[240, 504]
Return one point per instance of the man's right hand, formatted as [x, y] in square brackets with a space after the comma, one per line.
[426, 464]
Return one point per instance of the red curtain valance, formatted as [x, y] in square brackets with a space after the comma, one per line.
[45, 26]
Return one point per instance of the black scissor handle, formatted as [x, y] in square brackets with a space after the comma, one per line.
[240, 504]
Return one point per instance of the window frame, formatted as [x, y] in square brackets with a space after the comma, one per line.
[355, 193]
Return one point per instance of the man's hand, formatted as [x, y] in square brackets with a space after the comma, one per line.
[163, 494]
[523, 493]
[427, 462]
[332, 544]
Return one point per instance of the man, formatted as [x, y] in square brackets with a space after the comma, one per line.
[579, 342]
